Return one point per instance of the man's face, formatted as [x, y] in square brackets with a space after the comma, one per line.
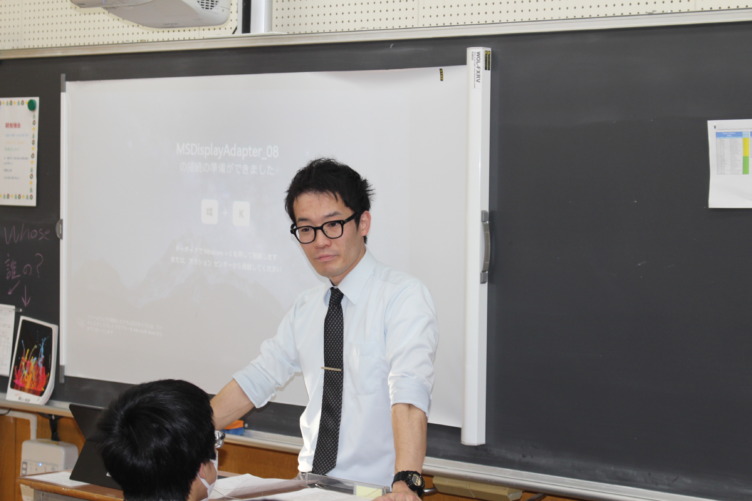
[331, 258]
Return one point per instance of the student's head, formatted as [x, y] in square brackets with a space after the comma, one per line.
[327, 196]
[157, 441]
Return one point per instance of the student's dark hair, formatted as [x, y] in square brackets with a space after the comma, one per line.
[325, 175]
[155, 436]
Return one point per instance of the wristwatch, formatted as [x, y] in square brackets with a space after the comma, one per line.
[413, 479]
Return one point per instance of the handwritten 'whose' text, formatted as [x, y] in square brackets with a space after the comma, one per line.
[22, 269]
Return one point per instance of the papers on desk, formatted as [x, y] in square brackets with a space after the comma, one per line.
[246, 486]
[315, 494]
[59, 478]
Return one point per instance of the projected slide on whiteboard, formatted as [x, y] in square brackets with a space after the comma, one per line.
[178, 261]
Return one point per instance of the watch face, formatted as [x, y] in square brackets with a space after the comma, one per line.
[416, 480]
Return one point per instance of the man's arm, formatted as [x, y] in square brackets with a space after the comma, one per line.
[411, 346]
[230, 404]
[410, 426]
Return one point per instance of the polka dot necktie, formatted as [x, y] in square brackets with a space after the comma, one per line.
[325, 457]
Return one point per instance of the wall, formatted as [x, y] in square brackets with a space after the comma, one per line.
[33, 24]
[24, 30]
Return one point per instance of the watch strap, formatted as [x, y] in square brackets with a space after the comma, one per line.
[413, 480]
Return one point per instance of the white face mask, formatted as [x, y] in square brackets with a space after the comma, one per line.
[210, 486]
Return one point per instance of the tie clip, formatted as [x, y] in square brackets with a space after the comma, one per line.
[331, 369]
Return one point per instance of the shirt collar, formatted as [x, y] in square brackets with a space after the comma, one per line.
[354, 282]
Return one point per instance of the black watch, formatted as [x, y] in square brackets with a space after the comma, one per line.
[413, 479]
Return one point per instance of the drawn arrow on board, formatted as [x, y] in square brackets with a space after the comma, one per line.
[26, 299]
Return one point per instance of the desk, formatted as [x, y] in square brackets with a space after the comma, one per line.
[50, 491]
[273, 455]
[56, 487]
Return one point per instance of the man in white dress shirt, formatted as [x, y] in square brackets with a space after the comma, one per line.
[390, 338]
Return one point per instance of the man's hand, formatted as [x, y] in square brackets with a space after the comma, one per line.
[400, 492]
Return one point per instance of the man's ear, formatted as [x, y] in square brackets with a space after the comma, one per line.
[364, 225]
[202, 470]
[206, 470]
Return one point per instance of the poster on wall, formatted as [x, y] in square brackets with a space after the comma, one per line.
[19, 126]
[730, 170]
[7, 322]
[32, 372]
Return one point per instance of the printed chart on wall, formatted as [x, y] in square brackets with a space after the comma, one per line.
[178, 257]
[7, 321]
[730, 172]
[19, 122]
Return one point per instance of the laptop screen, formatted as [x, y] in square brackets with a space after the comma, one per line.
[90, 467]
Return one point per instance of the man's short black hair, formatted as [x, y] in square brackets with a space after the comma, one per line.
[155, 436]
[325, 175]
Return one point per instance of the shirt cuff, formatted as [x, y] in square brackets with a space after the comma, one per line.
[414, 394]
[249, 379]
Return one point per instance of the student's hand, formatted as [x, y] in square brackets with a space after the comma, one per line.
[400, 492]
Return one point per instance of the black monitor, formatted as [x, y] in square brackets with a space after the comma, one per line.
[90, 467]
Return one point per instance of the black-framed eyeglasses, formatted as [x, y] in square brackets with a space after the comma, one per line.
[331, 229]
[219, 439]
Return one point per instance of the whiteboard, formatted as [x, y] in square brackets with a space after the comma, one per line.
[177, 259]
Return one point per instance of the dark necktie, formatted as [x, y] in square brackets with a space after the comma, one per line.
[325, 457]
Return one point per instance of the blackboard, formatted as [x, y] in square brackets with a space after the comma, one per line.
[619, 331]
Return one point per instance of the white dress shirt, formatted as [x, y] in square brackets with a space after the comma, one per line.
[390, 339]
